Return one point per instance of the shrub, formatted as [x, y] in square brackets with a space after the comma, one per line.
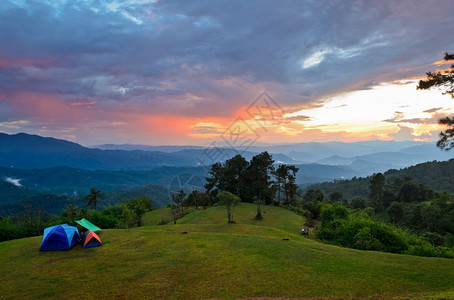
[434, 238]
[429, 250]
[358, 203]
[364, 240]
[8, 230]
[343, 227]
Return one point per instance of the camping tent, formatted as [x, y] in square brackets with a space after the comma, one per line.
[86, 224]
[60, 237]
[90, 239]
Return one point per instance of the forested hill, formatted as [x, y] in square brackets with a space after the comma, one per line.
[435, 175]
[14, 200]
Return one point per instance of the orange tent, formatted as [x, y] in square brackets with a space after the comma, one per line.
[90, 239]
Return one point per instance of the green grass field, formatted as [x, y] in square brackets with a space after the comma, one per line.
[217, 260]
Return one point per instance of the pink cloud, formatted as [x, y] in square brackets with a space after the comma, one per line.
[89, 103]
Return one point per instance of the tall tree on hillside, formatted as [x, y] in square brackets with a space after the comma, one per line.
[179, 198]
[233, 173]
[139, 206]
[445, 82]
[257, 179]
[280, 174]
[204, 199]
[193, 199]
[214, 180]
[290, 187]
[377, 190]
[175, 213]
[313, 195]
[71, 211]
[230, 201]
[285, 182]
[227, 176]
[93, 197]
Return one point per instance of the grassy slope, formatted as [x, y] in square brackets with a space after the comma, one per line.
[216, 260]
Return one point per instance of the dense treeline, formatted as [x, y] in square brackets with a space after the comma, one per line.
[355, 229]
[435, 175]
[54, 204]
[31, 222]
[400, 203]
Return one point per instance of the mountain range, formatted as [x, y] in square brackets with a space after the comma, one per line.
[322, 161]
[35, 167]
[33, 151]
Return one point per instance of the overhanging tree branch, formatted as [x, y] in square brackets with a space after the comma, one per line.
[445, 82]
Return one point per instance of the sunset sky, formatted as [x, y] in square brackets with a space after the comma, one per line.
[188, 72]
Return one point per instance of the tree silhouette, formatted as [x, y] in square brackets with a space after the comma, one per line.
[93, 197]
[178, 199]
[445, 82]
[377, 190]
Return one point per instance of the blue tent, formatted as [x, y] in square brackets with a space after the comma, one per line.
[60, 237]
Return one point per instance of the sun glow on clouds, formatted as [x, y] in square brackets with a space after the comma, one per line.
[380, 111]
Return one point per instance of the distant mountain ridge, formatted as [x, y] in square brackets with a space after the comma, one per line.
[363, 157]
[346, 159]
[33, 151]
[132, 147]
[383, 161]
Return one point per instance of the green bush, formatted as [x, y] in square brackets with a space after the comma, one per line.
[355, 229]
[364, 240]
[450, 240]
[8, 230]
[426, 249]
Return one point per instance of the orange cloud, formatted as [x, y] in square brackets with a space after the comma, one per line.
[442, 62]
[177, 129]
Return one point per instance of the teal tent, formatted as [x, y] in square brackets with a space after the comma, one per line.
[88, 225]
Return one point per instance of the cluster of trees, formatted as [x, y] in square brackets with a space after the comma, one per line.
[382, 194]
[401, 203]
[436, 175]
[257, 180]
[182, 202]
[355, 229]
[31, 222]
[414, 206]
